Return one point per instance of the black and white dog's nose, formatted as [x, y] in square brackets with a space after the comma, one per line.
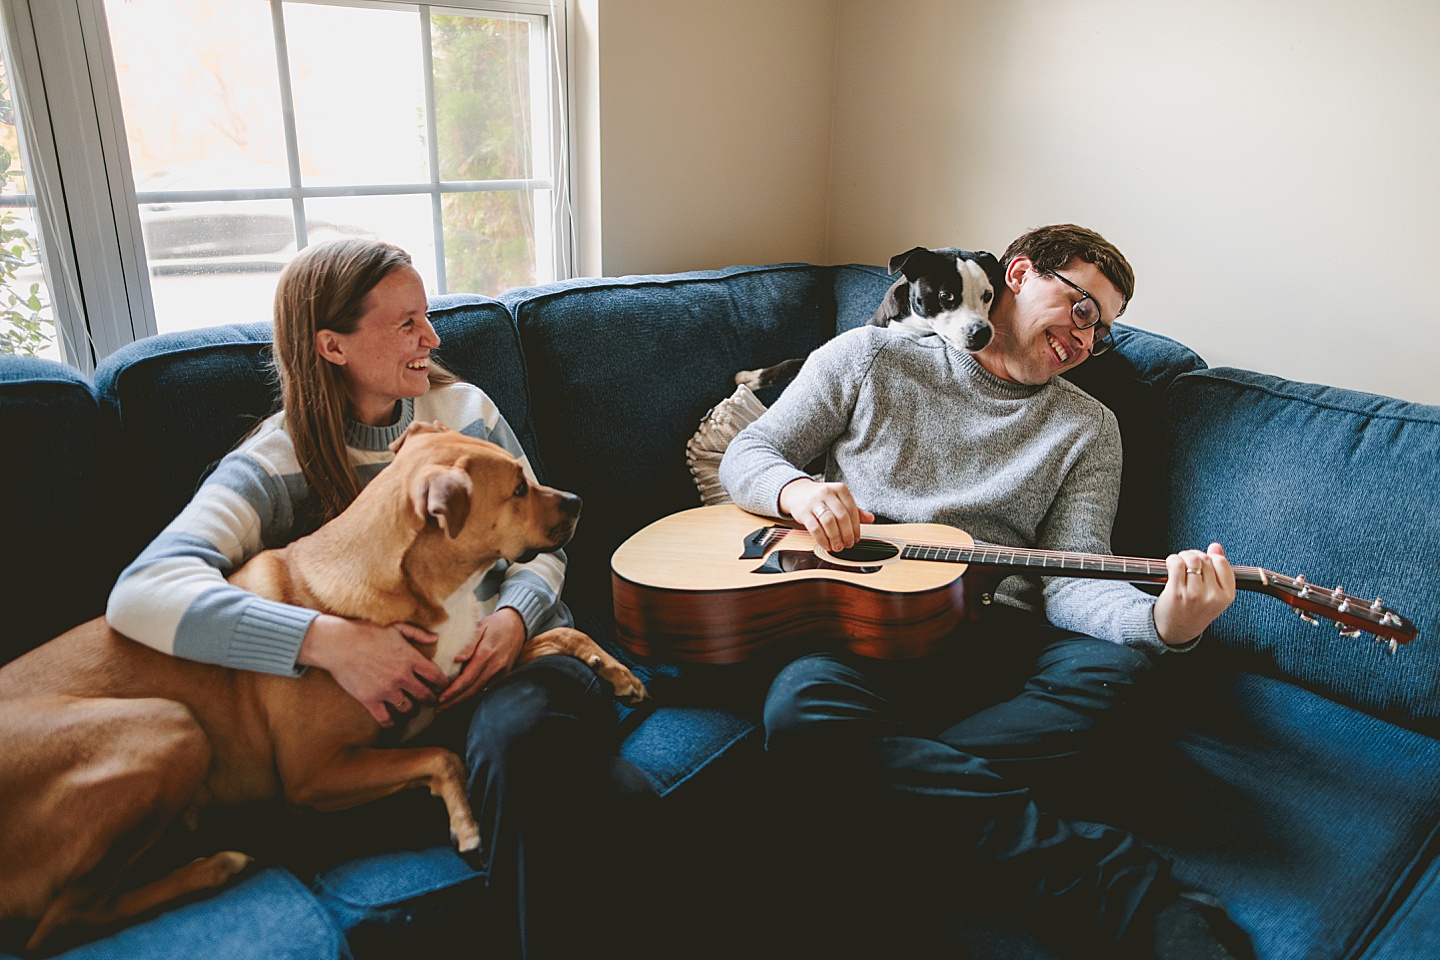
[979, 338]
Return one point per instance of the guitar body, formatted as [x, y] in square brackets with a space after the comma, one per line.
[684, 593]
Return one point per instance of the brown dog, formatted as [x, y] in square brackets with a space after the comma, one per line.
[104, 741]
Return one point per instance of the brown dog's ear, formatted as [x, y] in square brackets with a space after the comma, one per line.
[416, 426]
[443, 493]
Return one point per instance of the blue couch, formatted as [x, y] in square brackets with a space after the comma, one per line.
[1293, 771]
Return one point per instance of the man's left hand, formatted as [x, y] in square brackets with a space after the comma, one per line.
[1200, 587]
[488, 656]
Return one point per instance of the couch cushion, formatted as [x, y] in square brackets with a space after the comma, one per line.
[479, 343]
[269, 916]
[1131, 381]
[1336, 485]
[1306, 817]
[859, 288]
[182, 401]
[622, 370]
[1413, 929]
[51, 488]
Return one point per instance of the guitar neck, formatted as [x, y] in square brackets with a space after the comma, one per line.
[1059, 563]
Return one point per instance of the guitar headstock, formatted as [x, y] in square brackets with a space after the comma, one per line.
[1352, 616]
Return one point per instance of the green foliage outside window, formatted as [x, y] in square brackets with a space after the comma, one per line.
[25, 330]
[482, 95]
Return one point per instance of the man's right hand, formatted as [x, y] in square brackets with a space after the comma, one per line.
[377, 665]
[828, 511]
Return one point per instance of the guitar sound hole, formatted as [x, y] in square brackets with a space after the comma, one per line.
[868, 551]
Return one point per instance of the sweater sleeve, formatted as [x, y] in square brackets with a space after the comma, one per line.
[802, 424]
[174, 596]
[1080, 519]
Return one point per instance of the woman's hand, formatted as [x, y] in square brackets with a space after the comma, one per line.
[827, 510]
[489, 655]
[379, 666]
[1200, 587]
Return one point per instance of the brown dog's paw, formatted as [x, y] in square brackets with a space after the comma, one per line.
[626, 685]
[566, 640]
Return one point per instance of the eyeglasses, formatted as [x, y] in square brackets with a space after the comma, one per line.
[1085, 313]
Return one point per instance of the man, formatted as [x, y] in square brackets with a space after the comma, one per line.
[948, 749]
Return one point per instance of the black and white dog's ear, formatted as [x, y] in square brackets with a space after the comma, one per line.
[915, 262]
[897, 262]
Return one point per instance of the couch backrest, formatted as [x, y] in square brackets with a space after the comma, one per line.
[1333, 484]
[58, 557]
[1131, 381]
[622, 371]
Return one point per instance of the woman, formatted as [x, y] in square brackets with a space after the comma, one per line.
[352, 345]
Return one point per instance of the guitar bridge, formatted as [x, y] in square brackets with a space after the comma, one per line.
[755, 545]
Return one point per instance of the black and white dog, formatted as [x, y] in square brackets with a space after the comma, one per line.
[947, 292]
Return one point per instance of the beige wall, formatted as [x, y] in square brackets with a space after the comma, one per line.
[1271, 167]
[714, 127]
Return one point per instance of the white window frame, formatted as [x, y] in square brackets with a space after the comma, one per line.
[78, 162]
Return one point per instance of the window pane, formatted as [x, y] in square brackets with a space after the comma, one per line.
[200, 93]
[27, 325]
[405, 221]
[482, 97]
[359, 87]
[490, 241]
[216, 261]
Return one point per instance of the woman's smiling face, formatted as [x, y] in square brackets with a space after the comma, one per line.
[386, 357]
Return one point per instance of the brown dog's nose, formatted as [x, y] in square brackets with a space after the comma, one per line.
[570, 505]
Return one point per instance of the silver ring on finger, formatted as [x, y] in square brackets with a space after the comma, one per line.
[821, 509]
[1192, 573]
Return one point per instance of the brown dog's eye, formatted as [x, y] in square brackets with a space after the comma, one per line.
[522, 489]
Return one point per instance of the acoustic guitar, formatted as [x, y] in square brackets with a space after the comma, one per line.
[718, 585]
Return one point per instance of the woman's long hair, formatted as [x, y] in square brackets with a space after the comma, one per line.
[326, 287]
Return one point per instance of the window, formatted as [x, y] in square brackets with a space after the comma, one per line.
[236, 132]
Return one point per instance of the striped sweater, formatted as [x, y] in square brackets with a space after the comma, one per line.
[174, 597]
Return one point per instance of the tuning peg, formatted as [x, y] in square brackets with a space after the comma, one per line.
[1394, 645]
[1377, 606]
[1338, 592]
[1308, 618]
[1345, 631]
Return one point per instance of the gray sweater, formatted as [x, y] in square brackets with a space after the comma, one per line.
[921, 433]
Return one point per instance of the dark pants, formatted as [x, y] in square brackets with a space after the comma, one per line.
[557, 807]
[932, 766]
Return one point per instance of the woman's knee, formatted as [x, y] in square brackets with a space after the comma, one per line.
[541, 708]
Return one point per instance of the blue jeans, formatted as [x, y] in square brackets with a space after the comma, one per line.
[557, 808]
[932, 764]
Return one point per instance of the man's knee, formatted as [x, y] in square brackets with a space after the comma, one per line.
[805, 696]
[1095, 670]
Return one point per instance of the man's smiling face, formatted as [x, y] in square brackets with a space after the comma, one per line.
[1035, 337]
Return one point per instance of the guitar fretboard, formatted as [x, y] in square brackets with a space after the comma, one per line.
[1056, 562]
